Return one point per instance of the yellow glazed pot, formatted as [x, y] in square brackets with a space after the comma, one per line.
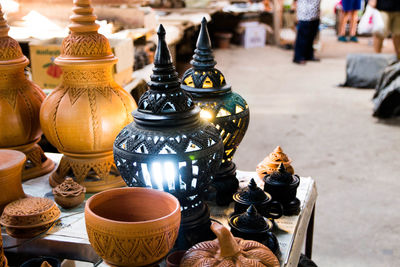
[20, 101]
[132, 226]
[84, 114]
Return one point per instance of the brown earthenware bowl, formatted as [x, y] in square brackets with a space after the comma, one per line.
[132, 226]
[29, 217]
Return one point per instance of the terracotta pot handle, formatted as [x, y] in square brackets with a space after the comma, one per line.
[229, 246]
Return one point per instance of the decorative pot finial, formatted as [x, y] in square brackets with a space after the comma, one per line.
[164, 77]
[203, 57]
[83, 19]
[4, 28]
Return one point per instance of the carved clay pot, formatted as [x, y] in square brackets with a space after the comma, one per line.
[253, 195]
[29, 217]
[11, 166]
[251, 225]
[228, 251]
[69, 194]
[132, 226]
[20, 101]
[84, 114]
[272, 161]
[3, 259]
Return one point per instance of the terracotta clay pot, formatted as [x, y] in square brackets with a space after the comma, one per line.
[20, 101]
[132, 226]
[3, 259]
[11, 165]
[84, 114]
[272, 161]
[229, 252]
[69, 194]
[29, 217]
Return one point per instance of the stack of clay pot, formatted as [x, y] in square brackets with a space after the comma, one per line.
[84, 114]
[272, 161]
[20, 101]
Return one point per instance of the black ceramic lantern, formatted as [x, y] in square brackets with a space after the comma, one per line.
[282, 186]
[227, 110]
[262, 201]
[168, 147]
[251, 225]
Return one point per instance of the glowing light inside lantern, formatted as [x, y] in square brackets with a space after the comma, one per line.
[205, 114]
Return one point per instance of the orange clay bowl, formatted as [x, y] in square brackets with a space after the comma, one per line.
[132, 226]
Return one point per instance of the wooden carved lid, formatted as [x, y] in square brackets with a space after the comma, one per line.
[10, 160]
[10, 51]
[84, 43]
[30, 212]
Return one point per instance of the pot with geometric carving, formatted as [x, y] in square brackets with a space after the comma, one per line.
[84, 114]
[3, 259]
[20, 101]
[140, 232]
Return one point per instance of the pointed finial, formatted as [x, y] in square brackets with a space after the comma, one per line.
[162, 56]
[251, 211]
[164, 76]
[83, 19]
[281, 168]
[203, 57]
[278, 149]
[4, 28]
[252, 184]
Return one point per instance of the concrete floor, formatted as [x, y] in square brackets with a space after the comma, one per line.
[330, 135]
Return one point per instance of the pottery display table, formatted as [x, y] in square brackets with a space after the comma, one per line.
[68, 238]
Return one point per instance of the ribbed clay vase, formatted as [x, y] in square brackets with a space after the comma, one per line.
[11, 166]
[20, 101]
[84, 114]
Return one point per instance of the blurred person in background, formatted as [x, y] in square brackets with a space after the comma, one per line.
[349, 12]
[308, 13]
[390, 12]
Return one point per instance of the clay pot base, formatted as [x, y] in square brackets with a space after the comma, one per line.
[95, 173]
[27, 232]
[37, 164]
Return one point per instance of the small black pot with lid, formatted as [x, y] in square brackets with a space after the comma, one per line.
[262, 201]
[282, 186]
[251, 225]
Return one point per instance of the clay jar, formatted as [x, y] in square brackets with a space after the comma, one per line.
[11, 166]
[29, 217]
[253, 195]
[132, 226]
[282, 185]
[84, 114]
[250, 225]
[20, 101]
[69, 194]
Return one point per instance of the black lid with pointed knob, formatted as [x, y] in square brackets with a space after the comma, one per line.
[250, 221]
[251, 194]
[165, 103]
[281, 176]
[203, 79]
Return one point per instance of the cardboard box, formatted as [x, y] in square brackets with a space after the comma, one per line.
[44, 72]
[254, 34]
[48, 75]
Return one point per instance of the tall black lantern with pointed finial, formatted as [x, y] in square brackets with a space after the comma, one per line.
[168, 147]
[227, 110]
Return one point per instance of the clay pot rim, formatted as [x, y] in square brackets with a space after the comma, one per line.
[237, 198]
[13, 164]
[14, 63]
[168, 195]
[269, 227]
[85, 61]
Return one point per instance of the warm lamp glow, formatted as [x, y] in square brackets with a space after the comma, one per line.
[206, 115]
